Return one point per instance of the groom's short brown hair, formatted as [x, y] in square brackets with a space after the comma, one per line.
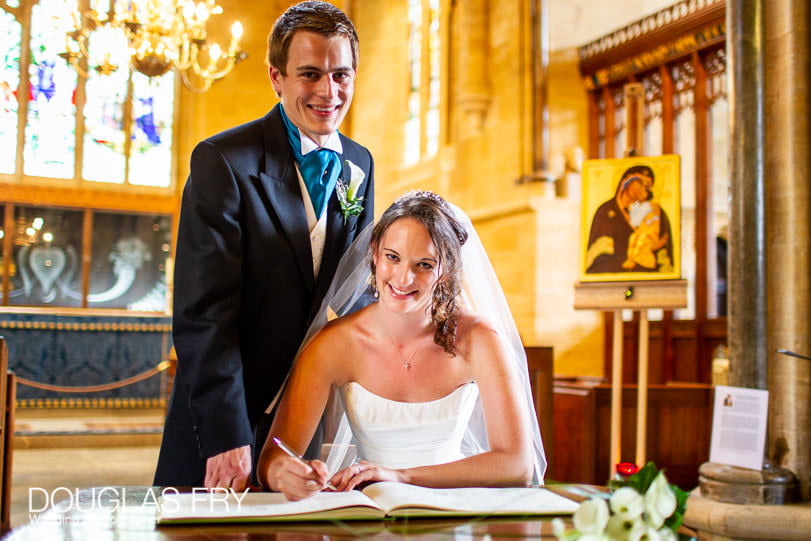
[313, 16]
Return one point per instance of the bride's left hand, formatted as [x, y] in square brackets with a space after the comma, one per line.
[362, 472]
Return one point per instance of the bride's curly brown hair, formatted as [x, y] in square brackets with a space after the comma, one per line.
[448, 235]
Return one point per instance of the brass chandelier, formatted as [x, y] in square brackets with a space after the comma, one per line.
[159, 35]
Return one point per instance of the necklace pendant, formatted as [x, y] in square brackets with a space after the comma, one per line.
[408, 365]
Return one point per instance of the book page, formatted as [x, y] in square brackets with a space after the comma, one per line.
[205, 506]
[399, 499]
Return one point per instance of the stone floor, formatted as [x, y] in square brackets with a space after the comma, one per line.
[69, 450]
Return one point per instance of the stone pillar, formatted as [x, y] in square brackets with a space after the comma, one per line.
[769, 299]
[788, 209]
[746, 311]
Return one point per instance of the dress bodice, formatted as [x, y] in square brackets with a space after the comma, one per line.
[408, 434]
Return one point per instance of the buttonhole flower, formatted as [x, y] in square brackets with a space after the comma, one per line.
[348, 193]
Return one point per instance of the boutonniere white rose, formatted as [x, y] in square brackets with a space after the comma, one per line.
[348, 194]
[641, 504]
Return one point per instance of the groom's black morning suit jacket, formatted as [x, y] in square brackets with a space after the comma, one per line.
[244, 291]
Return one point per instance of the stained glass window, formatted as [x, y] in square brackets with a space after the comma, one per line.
[50, 127]
[151, 154]
[124, 133]
[9, 81]
[105, 135]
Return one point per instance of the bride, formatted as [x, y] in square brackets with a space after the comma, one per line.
[434, 393]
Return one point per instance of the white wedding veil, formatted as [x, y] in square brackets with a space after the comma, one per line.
[481, 293]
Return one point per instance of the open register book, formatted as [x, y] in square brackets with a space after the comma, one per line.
[376, 501]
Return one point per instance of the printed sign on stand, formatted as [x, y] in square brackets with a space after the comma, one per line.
[739, 426]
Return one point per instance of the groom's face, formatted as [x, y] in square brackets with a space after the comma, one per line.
[318, 84]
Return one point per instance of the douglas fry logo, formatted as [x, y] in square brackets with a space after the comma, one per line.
[65, 500]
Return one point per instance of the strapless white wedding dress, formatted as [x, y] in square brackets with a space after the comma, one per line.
[408, 434]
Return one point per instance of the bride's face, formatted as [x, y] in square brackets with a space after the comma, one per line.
[406, 266]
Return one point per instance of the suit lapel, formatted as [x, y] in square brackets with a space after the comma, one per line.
[281, 182]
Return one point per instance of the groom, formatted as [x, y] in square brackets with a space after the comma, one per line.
[264, 220]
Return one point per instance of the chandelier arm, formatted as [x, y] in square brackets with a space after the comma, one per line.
[187, 55]
[209, 73]
[184, 74]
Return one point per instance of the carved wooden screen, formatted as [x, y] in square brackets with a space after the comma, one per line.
[678, 54]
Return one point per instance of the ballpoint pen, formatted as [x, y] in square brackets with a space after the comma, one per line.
[288, 451]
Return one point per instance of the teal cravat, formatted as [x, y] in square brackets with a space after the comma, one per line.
[319, 168]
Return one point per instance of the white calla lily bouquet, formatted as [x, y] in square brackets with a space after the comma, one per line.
[640, 505]
[348, 194]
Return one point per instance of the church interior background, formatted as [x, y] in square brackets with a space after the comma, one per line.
[493, 105]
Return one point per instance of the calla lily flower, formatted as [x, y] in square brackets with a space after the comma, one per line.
[627, 503]
[591, 517]
[356, 176]
[660, 502]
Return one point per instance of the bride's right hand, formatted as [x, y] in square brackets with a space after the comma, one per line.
[298, 479]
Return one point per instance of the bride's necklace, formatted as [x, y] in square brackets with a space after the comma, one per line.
[406, 362]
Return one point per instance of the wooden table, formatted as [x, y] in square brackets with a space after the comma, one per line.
[129, 513]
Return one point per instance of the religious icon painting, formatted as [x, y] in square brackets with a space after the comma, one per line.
[630, 222]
